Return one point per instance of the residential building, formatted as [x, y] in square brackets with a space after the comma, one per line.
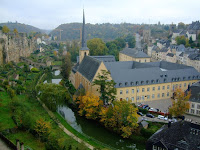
[194, 99]
[170, 57]
[133, 54]
[180, 135]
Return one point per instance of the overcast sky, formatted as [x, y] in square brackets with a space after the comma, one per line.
[48, 14]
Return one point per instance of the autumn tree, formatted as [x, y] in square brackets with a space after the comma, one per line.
[97, 47]
[51, 94]
[121, 116]
[66, 66]
[15, 31]
[106, 86]
[42, 128]
[89, 105]
[180, 102]
[5, 29]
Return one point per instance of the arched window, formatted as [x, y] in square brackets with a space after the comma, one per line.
[126, 83]
[85, 54]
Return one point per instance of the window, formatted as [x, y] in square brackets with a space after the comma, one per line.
[142, 82]
[121, 92]
[152, 81]
[158, 95]
[132, 98]
[153, 96]
[180, 85]
[168, 87]
[142, 97]
[132, 83]
[148, 89]
[192, 105]
[158, 87]
[163, 87]
[148, 96]
[185, 84]
[167, 94]
[138, 90]
[138, 98]
[163, 94]
[126, 83]
[198, 106]
[192, 111]
[142, 89]
[153, 88]
[157, 81]
[120, 84]
[126, 91]
[127, 98]
[136, 82]
[147, 81]
[132, 90]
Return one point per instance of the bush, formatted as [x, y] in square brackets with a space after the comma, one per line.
[146, 132]
[144, 111]
[35, 70]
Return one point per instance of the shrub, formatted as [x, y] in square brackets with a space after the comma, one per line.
[35, 70]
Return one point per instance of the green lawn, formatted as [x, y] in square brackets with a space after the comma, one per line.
[57, 63]
[6, 121]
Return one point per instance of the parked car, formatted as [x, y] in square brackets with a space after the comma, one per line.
[144, 106]
[140, 113]
[153, 109]
[162, 117]
[174, 120]
[147, 108]
[141, 105]
[150, 115]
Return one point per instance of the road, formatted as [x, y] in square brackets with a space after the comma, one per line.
[138, 41]
[3, 146]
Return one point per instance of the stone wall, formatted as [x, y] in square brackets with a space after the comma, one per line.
[12, 47]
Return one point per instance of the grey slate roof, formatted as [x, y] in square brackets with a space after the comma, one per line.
[164, 49]
[181, 48]
[130, 73]
[89, 67]
[194, 56]
[106, 58]
[170, 54]
[134, 52]
[182, 135]
[195, 92]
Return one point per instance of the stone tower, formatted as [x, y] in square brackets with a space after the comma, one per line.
[84, 51]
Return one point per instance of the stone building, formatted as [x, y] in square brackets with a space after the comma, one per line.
[146, 35]
[13, 46]
[133, 54]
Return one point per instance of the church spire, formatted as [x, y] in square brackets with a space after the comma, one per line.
[84, 44]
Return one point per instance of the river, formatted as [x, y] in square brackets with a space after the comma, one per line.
[92, 128]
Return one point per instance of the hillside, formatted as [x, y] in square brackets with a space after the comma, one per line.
[21, 27]
[106, 31]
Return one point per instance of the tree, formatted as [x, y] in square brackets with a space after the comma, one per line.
[89, 105]
[5, 29]
[42, 128]
[106, 86]
[181, 25]
[112, 49]
[97, 47]
[15, 31]
[121, 116]
[131, 41]
[66, 66]
[120, 42]
[180, 102]
[51, 94]
[180, 40]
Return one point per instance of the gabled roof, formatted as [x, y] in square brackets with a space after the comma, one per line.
[134, 52]
[89, 67]
[164, 49]
[170, 54]
[181, 135]
[194, 56]
[181, 48]
[106, 58]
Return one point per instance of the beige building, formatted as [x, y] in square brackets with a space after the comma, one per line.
[170, 57]
[133, 54]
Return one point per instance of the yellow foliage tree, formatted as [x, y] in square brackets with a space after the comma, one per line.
[121, 116]
[15, 31]
[42, 128]
[89, 105]
[180, 102]
[55, 53]
[5, 29]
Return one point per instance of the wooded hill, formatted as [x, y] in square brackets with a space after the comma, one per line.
[21, 27]
[106, 31]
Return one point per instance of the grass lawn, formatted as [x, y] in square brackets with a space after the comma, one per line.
[57, 63]
[6, 121]
[28, 139]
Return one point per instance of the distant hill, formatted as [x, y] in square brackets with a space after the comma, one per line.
[21, 27]
[106, 31]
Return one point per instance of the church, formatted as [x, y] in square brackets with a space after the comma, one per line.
[135, 81]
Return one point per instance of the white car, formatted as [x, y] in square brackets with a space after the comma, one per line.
[153, 109]
[162, 117]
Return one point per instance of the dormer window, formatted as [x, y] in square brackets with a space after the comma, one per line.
[172, 79]
[132, 83]
[193, 77]
[120, 84]
[157, 81]
[126, 83]
[165, 80]
[178, 79]
[142, 82]
[161, 76]
[136, 82]
[183, 78]
[147, 81]
[189, 78]
[165, 75]
[152, 81]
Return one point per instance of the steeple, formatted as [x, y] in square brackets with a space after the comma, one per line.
[84, 51]
[84, 42]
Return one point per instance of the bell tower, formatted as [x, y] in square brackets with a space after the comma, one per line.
[84, 51]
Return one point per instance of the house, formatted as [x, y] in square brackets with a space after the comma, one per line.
[133, 54]
[163, 53]
[180, 135]
[144, 124]
[163, 43]
[194, 61]
[170, 57]
[194, 99]
[192, 34]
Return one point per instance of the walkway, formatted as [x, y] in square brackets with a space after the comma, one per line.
[3, 146]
